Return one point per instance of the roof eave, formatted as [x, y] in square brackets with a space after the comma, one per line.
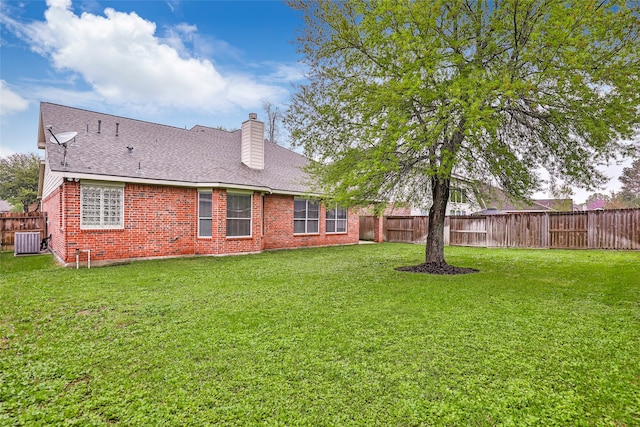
[149, 181]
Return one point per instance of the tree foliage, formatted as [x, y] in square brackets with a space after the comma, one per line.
[19, 174]
[274, 119]
[630, 180]
[612, 200]
[401, 95]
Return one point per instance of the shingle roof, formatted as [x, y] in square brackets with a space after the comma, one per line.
[495, 199]
[4, 206]
[196, 156]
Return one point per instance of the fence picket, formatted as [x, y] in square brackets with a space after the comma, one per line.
[610, 229]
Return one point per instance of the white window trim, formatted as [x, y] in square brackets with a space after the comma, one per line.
[101, 185]
[240, 193]
[208, 191]
[306, 218]
[336, 219]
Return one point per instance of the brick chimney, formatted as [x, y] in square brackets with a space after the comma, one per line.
[253, 142]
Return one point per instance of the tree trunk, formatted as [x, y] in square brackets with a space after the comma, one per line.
[437, 213]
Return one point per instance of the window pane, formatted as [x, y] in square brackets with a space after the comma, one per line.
[205, 228]
[204, 205]
[232, 228]
[300, 208]
[313, 209]
[112, 206]
[90, 206]
[342, 213]
[331, 213]
[312, 226]
[238, 227]
[341, 226]
[244, 227]
[299, 226]
[239, 206]
[331, 226]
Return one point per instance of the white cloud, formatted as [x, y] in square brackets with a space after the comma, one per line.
[178, 35]
[288, 73]
[120, 56]
[6, 151]
[11, 102]
[173, 4]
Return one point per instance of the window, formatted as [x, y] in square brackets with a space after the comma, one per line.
[336, 220]
[101, 207]
[205, 204]
[457, 213]
[457, 195]
[306, 216]
[238, 215]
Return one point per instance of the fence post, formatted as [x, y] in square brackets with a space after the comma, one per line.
[488, 227]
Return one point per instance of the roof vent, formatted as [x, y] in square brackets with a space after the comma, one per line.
[253, 116]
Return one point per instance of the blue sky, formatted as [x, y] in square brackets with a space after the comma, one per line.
[174, 62]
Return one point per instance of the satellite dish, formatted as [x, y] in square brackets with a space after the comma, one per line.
[62, 138]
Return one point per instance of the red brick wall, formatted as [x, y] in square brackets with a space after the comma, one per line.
[278, 227]
[219, 243]
[163, 221]
[158, 221]
[52, 204]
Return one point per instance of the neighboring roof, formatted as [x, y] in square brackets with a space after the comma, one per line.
[554, 204]
[200, 156]
[536, 205]
[5, 206]
[593, 205]
[497, 200]
[490, 211]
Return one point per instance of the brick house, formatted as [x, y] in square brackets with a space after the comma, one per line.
[128, 189]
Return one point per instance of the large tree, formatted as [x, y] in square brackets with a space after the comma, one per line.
[274, 117]
[402, 95]
[630, 180]
[19, 175]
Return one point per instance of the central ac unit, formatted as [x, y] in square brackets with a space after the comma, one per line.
[27, 243]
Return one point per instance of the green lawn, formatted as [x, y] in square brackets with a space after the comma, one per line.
[331, 336]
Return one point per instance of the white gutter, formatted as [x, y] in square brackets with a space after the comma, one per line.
[133, 180]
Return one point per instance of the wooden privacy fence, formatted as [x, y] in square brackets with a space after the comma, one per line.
[400, 228]
[13, 222]
[405, 228]
[367, 227]
[610, 229]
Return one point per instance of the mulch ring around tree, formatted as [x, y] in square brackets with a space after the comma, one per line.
[437, 268]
